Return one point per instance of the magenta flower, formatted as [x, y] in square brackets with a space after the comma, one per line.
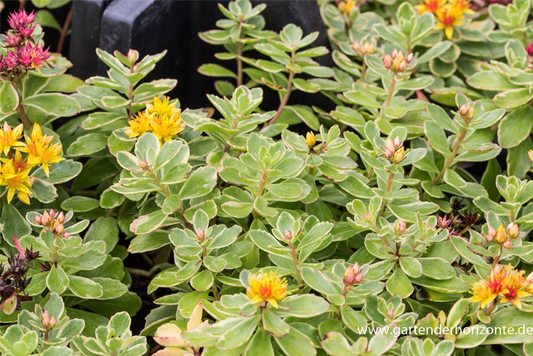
[32, 56]
[529, 49]
[21, 22]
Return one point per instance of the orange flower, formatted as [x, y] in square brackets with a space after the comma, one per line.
[431, 6]
[448, 20]
[264, 287]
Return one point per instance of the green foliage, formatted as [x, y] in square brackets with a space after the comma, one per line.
[370, 228]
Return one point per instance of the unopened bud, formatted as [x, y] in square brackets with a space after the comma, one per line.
[52, 213]
[367, 217]
[310, 139]
[508, 244]
[400, 227]
[349, 276]
[403, 66]
[512, 231]
[66, 235]
[143, 164]
[45, 219]
[60, 228]
[491, 234]
[390, 314]
[61, 217]
[501, 236]
[369, 48]
[399, 155]
[387, 61]
[395, 53]
[410, 57]
[38, 219]
[133, 56]
[200, 234]
[287, 234]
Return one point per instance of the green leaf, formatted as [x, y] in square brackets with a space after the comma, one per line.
[9, 99]
[436, 268]
[12, 223]
[57, 280]
[215, 70]
[303, 113]
[200, 183]
[515, 127]
[399, 284]
[85, 288]
[46, 19]
[61, 172]
[80, 204]
[295, 343]
[148, 223]
[54, 104]
[203, 281]
[260, 344]
[87, 145]
[411, 266]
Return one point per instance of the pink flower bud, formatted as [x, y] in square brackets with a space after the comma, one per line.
[387, 61]
[491, 234]
[400, 227]
[287, 234]
[394, 53]
[512, 231]
[508, 244]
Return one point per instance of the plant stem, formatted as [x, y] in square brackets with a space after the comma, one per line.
[22, 4]
[239, 64]
[387, 189]
[389, 98]
[23, 117]
[167, 193]
[215, 291]
[285, 99]
[491, 308]
[497, 258]
[450, 159]
[363, 70]
[296, 264]
[64, 31]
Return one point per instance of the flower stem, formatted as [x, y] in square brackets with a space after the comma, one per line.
[490, 309]
[23, 116]
[450, 159]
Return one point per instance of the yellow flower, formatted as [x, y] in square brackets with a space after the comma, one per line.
[40, 150]
[9, 137]
[16, 181]
[161, 108]
[310, 139]
[139, 125]
[448, 19]
[506, 282]
[169, 335]
[264, 287]
[462, 6]
[431, 6]
[165, 127]
[516, 288]
[346, 6]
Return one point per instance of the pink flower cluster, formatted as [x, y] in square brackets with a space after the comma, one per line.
[22, 27]
[23, 53]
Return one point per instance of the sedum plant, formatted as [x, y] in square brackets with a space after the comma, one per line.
[384, 210]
